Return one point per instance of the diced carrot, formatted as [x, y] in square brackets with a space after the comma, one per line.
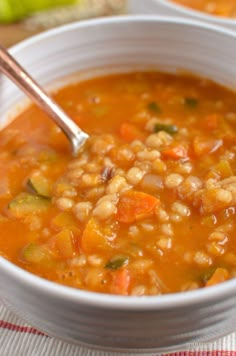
[175, 152]
[130, 132]
[135, 205]
[212, 121]
[62, 220]
[224, 168]
[121, 282]
[220, 275]
[64, 244]
[202, 146]
[94, 237]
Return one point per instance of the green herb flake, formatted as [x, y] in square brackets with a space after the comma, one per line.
[154, 107]
[171, 129]
[116, 262]
[191, 102]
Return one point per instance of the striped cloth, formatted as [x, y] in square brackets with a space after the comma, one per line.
[20, 339]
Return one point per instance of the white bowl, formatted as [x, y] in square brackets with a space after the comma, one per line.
[170, 8]
[104, 321]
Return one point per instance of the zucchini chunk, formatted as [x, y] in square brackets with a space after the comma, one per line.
[39, 185]
[25, 204]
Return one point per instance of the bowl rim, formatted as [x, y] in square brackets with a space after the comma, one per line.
[200, 15]
[45, 287]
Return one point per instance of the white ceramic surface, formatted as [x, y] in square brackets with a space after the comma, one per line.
[169, 8]
[104, 321]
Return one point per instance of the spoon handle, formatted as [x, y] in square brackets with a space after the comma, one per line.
[14, 71]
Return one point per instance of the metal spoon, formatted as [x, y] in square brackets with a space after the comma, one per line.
[14, 71]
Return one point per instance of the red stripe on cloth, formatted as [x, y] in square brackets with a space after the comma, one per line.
[21, 329]
[202, 353]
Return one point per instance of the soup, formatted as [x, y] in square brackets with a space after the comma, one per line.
[148, 205]
[213, 7]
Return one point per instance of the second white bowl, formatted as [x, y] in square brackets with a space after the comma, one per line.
[170, 8]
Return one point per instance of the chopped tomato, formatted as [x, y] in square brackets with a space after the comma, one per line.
[135, 206]
[176, 152]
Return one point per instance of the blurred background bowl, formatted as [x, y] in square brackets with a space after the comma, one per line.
[170, 8]
[104, 321]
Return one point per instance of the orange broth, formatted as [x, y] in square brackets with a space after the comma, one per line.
[148, 206]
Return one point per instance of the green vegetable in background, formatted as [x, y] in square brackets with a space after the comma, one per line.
[191, 102]
[13, 10]
[154, 107]
[171, 129]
